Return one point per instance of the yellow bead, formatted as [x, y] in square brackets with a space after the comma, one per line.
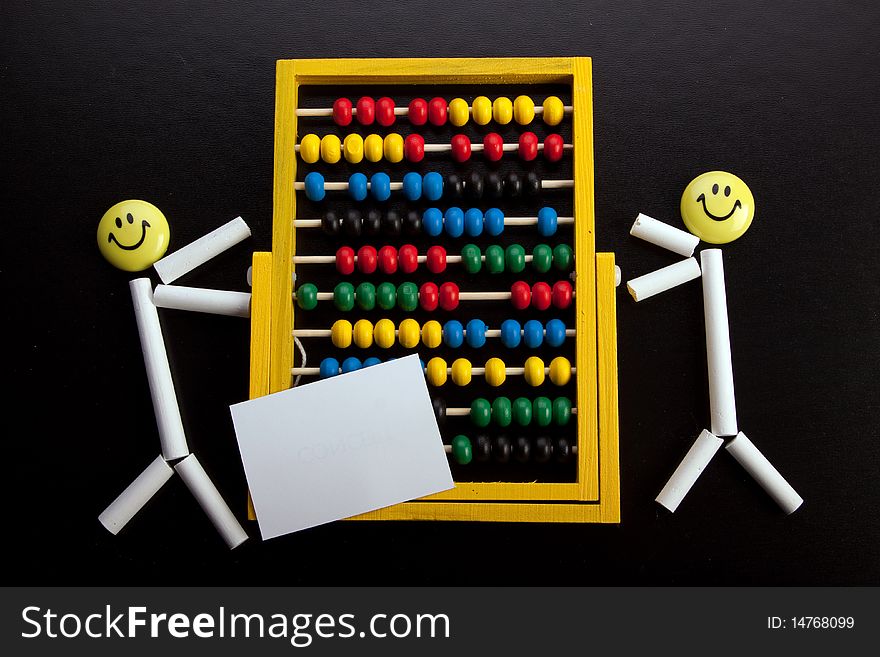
[340, 333]
[432, 334]
[496, 372]
[458, 112]
[363, 333]
[481, 108]
[436, 371]
[331, 149]
[310, 148]
[408, 333]
[534, 371]
[461, 371]
[373, 148]
[502, 110]
[393, 147]
[560, 371]
[523, 110]
[553, 110]
[383, 333]
[353, 148]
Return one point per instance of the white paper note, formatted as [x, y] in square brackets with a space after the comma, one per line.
[342, 446]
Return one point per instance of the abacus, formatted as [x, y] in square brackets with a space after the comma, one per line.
[432, 206]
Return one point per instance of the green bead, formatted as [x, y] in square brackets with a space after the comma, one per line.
[386, 296]
[343, 297]
[522, 411]
[461, 450]
[562, 257]
[542, 258]
[494, 259]
[561, 411]
[501, 411]
[515, 258]
[471, 258]
[307, 296]
[542, 411]
[408, 296]
[481, 412]
[365, 296]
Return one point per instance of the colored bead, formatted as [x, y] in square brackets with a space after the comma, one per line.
[386, 296]
[555, 330]
[432, 186]
[342, 111]
[345, 260]
[542, 258]
[331, 149]
[562, 294]
[553, 148]
[412, 185]
[476, 333]
[408, 333]
[481, 412]
[329, 367]
[391, 223]
[474, 186]
[408, 296]
[493, 146]
[310, 149]
[408, 258]
[363, 333]
[454, 187]
[414, 148]
[366, 110]
[512, 185]
[313, 185]
[331, 224]
[542, 411]
[461, 450]
[561, 411]
[522, 411]
[418, 111]
[541, 296]
[432, 222]
[432, 334]
[365, 296]
[392, 147]
[533, 334]
[388, 259]
[562, 449]
[522, 449]
[453, 222]
[351, 364]
[307, 296]
[502, 110]
[372, 360]
[374, 148]
[385, 111]
[460, 148]
[543, 449]
[520, 294]
[502, 449]
[412, 223]
[481, 109]
[471, 258]
[496, 372]
[352, 223]
[528, 146]
[510, 333]
[435, 259]
[383, 333]
[437, 111]
[448, 296]
[534, 371]
[554, 110]
[515, 258]
[493, 222]
[436, 371]
[461, 371]
[473, 222]
[343, 296]
[562, 257]
[353, 148]
[453, 334]
[429, 296]
[357, 186]
[380, 186]
[531, 184]
[439, 410]
[366, 260]
[560, 371]
[547, 221]
[340, 334]
[523, 110]
[459, 112]
[502, 411]
[493, 187]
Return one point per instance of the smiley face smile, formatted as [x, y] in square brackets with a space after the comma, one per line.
[702, 199]
[144, 225]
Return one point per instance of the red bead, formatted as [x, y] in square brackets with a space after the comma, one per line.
[385, 111]
[342, 111]
[345, 260]
[414, 148]
[528, 146]
[553, 145]
[388, 259]
[366, 259]
[437, 111]
[493, 146]
[541, 296]
[366, 110]
[461, 148]
[428, 296]
[562, 294]
[449, 296]
[436, 259]
[520, 295]
[418, 111]
[408, 258]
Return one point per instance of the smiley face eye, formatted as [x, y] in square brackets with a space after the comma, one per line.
[118, 222]
[715, 188]
[130, 218]
[727, 191]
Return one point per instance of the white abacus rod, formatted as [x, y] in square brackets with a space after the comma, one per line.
[448, 449]
[326, 333]
[462, 296]
[398, 111]
[508, 221]
[342, 185]
[330, 259]
[475, 148]
[476, 371]
[462, 411]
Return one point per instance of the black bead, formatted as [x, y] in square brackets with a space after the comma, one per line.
[391, 223]
[494, 188]
[331, 224]
[512, 185]
[353, 223]
[522, 449]
[543, 449]
[562, 449]
[439, 405]
[474, 186]
[413, 223]
[502, 449]
[482, 448]
[373, 223]
[532, 184]
[454, 187]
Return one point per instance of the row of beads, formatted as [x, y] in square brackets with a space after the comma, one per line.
[502, 449]
[502, 412]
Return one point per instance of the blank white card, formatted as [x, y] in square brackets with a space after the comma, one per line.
[342, 446]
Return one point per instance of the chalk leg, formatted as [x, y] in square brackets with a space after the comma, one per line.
[689, 470]
[757, 465]
[136, 495]
[203, 489]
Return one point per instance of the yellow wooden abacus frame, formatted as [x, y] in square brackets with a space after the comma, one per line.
[595, 496]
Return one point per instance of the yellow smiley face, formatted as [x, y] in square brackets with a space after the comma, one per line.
[132, 235]
[717, 207]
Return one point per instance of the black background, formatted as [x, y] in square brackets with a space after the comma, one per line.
[174, 103]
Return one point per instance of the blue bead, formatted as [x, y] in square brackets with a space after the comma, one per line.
[533, 334]
[494, 222]
[329, 367]
[351, 364]
[422, 364]
[555, 332]
[412, 186]
[432, 221]
[314, 186]
[372, 360]
[357, 186]
[547, 221]
[476, 333]
[432, 186]
[453, 334]
[511, 333]
[473, 222]
[380, 186]
[453, 221]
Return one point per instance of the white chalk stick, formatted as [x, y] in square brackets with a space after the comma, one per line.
[689, 470]
[757, 465]
[722, 400]
[669, 237]
[203, 300]
[661, 280]
[184, 260]
[203, 489]
[617, 276]
[136, 495]
[171, 434]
